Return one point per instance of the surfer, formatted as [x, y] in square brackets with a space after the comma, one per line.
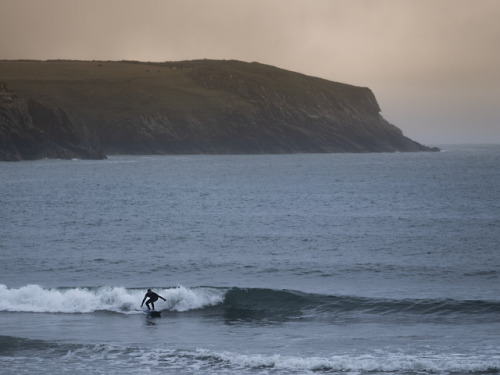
[153, 297]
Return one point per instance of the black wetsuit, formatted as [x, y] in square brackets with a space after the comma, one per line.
[153, 297]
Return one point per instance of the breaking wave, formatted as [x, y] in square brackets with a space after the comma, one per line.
[34, 298]
[238, 303]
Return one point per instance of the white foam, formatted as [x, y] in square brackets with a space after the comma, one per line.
[386, 362]
[34, 298]
[111, 359]
[184, 299]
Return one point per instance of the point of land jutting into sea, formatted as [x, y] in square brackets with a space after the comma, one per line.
[90, 109]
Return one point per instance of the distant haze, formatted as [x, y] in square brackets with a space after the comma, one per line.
[434, 65]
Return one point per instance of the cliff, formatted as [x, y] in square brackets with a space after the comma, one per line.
[30, 130]
[59, 108]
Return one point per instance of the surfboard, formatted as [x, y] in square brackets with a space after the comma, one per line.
[154, 313]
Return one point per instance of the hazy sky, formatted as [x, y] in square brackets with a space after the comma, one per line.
[434, 65]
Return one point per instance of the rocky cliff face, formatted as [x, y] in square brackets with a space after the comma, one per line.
[70, 109]
[30, 130]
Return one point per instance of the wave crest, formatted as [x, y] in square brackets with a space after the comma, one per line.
[293, 302]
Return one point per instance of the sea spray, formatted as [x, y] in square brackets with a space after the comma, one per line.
[184, 299]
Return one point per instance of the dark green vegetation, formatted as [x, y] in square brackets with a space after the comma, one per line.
[86, 109]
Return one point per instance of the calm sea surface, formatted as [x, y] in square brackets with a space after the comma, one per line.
[270, 264]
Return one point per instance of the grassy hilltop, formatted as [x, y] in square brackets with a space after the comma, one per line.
[56, 108]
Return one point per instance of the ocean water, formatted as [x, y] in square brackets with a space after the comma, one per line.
[270, 264]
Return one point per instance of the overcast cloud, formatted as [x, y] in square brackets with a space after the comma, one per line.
[434, 65]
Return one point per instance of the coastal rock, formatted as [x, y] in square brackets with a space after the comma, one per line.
[30, 130]
[202, 106]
